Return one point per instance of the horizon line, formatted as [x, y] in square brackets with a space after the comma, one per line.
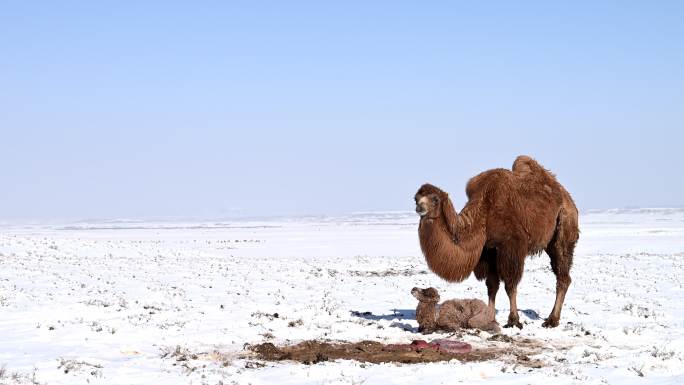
[272, 217]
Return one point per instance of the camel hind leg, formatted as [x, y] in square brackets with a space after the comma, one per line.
[561, 250]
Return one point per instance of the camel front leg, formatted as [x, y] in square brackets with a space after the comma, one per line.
[492, 288]
[488, 270]
[513, 318]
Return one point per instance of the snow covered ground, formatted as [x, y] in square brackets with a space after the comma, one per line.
[114, 303]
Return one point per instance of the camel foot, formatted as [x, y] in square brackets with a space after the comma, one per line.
[510, 324]
[513, 320]
[550, 322]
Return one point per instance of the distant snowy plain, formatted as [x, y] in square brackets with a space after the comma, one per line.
[113, 303]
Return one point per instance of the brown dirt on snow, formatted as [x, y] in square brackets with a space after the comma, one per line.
[313, 352]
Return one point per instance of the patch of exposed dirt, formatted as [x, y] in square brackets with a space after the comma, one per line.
[313, 352]
[387, 273]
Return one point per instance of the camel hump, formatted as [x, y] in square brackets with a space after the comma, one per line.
[524, 164]
[487, 180]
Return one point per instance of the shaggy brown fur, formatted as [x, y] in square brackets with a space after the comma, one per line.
[509, 215]
[452, 315]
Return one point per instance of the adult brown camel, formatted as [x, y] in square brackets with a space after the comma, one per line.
[510, 214]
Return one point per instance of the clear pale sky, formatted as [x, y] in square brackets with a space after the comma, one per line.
[151, 109]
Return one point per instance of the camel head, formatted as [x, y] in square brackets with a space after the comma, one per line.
[429, 200]
[426, 295]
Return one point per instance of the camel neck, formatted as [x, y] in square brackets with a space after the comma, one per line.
[451, 254]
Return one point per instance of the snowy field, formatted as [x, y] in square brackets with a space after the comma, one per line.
[175, 303]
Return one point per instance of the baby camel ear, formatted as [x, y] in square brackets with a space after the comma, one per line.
[431, 294]
[417, 292]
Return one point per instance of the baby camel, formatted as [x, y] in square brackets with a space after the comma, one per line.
[452, 315]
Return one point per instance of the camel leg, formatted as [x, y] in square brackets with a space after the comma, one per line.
[492, 282]
[562, 284]
[561, 250]
[486, 269]
[513, 318]
[560, 264]
[510, 264]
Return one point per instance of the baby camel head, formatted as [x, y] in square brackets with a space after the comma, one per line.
[429, 295]
[428, 201]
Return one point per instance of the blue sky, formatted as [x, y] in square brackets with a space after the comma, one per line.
[152, 109]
